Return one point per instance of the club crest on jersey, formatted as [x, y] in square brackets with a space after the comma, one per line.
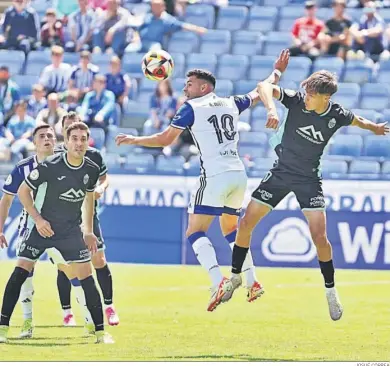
[332, 123]
[34, 175]
[290, 92]
[8, 181]
[86, 178]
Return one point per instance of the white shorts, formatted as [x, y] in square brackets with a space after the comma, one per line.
[220, 194]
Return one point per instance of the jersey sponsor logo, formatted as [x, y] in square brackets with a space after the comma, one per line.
[34, 175]
[62, 177]
[86, 178]
[309, 133]
[34, 251]
[276, 246]
[332, 123]
[72, 195]
[8, 181]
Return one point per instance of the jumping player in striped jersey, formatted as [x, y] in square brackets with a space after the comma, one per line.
[212, 121]
[44, 141]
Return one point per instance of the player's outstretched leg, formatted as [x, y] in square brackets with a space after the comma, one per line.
[25, 299]
[317, 226]
[104, 278]
[11, 295]
[64, 289]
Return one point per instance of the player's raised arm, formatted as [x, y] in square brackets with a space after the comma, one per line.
[267, 92]
[365, 124]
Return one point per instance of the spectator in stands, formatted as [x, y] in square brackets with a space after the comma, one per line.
[71, 103]
[52, 114]
[19, 129]
[80, 25]
[65, 8]
[162, 108]
[82, 76]
[305, 33]
[157, 24]
[20, 27]
[336, 39]
[118, 82]
[98, 4]
[55, 77]
[368, 34]
[37, 101]
[52, 32]
[9, 95]
[110, 32]
[98, 105]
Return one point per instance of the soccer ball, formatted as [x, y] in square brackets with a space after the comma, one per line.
[157, 65]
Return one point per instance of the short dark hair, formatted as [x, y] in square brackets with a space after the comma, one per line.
[321, 82]
[203, 75]
[77, 126]
[72, 116]
[41, 127]
[4, 68]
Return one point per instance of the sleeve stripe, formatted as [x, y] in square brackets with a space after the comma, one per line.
[104, 172]
[179, 127]
[281, 96]
[250, 98]
[30, 184]
[8, 192]
[91, 190]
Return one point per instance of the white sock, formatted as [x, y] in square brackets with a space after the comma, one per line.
[248, 268]
[80, 297]
[205, 253]
[67, 312]
[25, 298]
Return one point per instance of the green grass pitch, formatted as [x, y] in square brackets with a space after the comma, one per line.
[163, 317]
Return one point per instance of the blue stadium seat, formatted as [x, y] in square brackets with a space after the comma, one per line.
[364, 167]
[202, 61]
[332, 168]
[259, 119]
[366, 113]
[386, 167]
[324, 14]
[253, 138]
[172, 165]
[14, 60]
[275, 42]
[137, 112]
[288, 15]
[244, 86]
[251, 151]
[144, 96]
[385, 14]
[216, 42]
[233, 67]
[247, 43]
[131, 63]
[193, 166]
[386, 115]
[278, 3]
[112, 161]
[375, 96]
[264, 163]
[25, 83]
[245, 116]
[354, 13]
[224, 88]
[260, 67]
[262, 19]
[347, 95]
[102, 60]
[122, 150]
[332, 64]
[383, 75]
[346, 145]
[232, 18]
[36, 61]
[72, 58]
[200, 14]
[178, 85]
[288, 84]
[358, 71]
[147, 85]
[298, 69]
[184, 42]
[140, 163]
[98, 136]
[377, 146]
[179, 61]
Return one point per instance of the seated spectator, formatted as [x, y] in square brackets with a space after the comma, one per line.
[19, 129]
[305, 33]
[55, 77]
[82, 76]
[335, 39]
[159, 23]
[98, 105]
[9, 95]
[98, 4]
[162, 108]
[37, 101]
[52, 114]
[71, 103]
[110, 32]
[65, 7]
[118, 82]
[52, 32]
[80, 25]
[368, 34]
[20, 27]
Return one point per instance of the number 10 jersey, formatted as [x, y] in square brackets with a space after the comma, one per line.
[213, 121]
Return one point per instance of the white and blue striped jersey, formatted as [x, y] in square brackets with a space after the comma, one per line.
[213, 121]
[14, 181]
[56, 79]
[84, 79]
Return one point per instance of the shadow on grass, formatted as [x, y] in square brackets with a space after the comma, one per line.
[30, 343]
[241, 357]
[57, 326]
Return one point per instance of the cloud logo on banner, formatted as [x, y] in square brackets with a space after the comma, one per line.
[289, 241]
